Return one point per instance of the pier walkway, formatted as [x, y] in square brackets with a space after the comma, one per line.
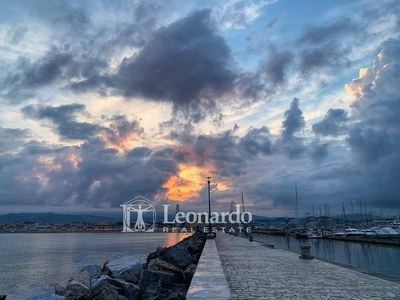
[255, 271]
[209, 281]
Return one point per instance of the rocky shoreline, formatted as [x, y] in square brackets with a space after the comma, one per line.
[166, 274]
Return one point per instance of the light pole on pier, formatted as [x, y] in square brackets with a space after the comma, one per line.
[209, 206]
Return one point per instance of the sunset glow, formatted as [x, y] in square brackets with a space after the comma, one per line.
[185, 184]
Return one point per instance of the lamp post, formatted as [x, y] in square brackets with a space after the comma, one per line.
[209, 206]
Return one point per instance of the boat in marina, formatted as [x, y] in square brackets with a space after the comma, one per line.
[391, 232]
[352, 232]
[368, 233]
[301, 233]
[338, 234]
[381, 234]
[314, 235]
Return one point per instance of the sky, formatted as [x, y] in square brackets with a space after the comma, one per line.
[103, 101]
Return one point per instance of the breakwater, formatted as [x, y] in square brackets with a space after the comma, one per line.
[166, 274]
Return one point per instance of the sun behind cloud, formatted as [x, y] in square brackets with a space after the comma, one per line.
[186, 184]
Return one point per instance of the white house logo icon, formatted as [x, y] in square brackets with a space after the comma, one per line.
[139, 205]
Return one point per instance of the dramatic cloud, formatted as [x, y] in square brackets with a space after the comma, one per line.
[377, 90]
[369, 145]
[332, 123]
[294, 121]
[63, 117]
[19, 85]
[316, 58]
[256, 141]
[187, 63]
[276, 66]
[319, 34]
[12, 139]
[318, 151]
[118, 134]
[87, 92]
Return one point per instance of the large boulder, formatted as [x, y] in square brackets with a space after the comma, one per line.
[177, 255]
[156, 285]
[124, 289]
[83, 278]
[93, 270]
[47, 297]
[103, 291]
[122, 264]
[160, 265]
[182, 254]
[76, 291]
[78, 287]
[23, 292]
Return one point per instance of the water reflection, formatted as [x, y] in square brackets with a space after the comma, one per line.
[381, 259]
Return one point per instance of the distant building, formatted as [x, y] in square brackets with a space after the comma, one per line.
[101, 224]
[79, 225]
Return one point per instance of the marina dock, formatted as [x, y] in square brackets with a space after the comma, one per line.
[255, 271]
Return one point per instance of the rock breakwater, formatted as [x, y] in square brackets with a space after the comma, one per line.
[166, 274]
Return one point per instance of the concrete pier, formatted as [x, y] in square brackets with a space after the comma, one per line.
[209, 281]
[255, 271]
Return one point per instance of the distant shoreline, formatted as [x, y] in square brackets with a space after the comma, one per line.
[90, 231]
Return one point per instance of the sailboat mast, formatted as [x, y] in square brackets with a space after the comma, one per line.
[243, 202]
[296, 204]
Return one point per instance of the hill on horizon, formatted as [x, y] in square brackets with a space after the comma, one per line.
[43, 218]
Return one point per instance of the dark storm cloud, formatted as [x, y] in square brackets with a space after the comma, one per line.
[63, 117]
[12, 138]
[251, 86]
[332, 124]
[226, 153]
[90, 174]
[320, 34]
[123, 177]
[256, 141]
[294, 121]
[316, 58]
[187, 63]
[293, 149]
[318, 151]
[139, 152]
[34, 147]
[176, 64]
[121, 130]
[369, 145]
[20, 84]
[218, 151]
[276, 66]
[325, 45]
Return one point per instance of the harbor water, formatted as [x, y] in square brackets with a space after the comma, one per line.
[375, 258]
[28, 258]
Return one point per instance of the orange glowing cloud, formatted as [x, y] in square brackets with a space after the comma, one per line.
[74, 160]
[121, 134]
[186, 184]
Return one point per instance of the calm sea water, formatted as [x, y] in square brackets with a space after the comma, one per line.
[381, 259]
[28, 258]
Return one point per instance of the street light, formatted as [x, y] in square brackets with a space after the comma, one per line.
[209, 206]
